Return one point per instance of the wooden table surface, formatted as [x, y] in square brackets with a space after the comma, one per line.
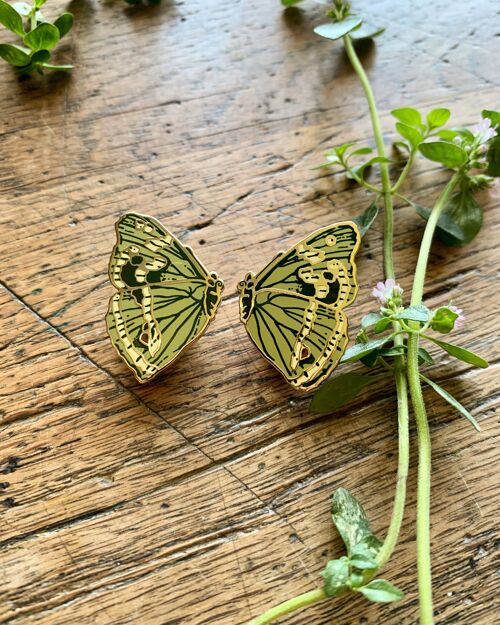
[203, 497]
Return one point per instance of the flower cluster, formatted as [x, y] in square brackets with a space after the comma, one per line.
[390, 295]
[388, 292]
[483, 132]
[460, 318]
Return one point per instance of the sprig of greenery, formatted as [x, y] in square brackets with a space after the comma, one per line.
[388, 343]
[38, 36]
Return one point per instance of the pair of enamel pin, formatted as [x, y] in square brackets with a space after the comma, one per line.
[292, 309]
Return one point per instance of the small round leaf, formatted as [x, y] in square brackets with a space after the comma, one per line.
[449, 154]
[64, 23]
[14, 55]
[337, 30]
[11, 19]
[381, 591]
[43, 37]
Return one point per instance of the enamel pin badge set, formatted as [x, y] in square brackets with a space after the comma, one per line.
[293, 309]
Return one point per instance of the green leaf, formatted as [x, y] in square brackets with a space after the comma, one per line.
[448, 154]
[366, 219]
[43, 37]
[493, 157]
[382, 325]
[364, 554]
[365, 150]
[342, 149]
[409, 116]
[424, 356]
[11, 19]
[459, 352]
[477, 182]
[336, 576]
[357, 579]
[465, 133]
[443, 320]
[451, 400]
[338, 391]
[370, 546]
[411, 134]
[64, 23]
[447, 134]
[370, 359]
[15, 55]
[397, 350]
[365, 31]
[462, 210]
[290, 3]
[381, 591]
[357, 351]
[370, 320]
[447, 229]
[494, 116]
[42, 56]
[364, 563]
[336, 30]
[39, 3]
[359, 169]
[415, 313]
[350, 519]
[438, 117]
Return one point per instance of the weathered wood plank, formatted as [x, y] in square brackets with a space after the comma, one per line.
[73, 442]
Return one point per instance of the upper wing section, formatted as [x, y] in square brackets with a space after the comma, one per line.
[147, 253]
[320, 267]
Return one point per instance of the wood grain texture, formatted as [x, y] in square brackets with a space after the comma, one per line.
[204, 496]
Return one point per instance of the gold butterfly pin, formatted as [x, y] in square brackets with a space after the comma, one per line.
[165, 297]
[293, 308]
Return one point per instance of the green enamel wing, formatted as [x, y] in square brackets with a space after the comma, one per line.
[165, 297]
[293, 308]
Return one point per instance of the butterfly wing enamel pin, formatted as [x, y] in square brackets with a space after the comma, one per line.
[293, 308]
[165, 297]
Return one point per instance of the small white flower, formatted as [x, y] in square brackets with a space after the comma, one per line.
[483, 131]
[460, 319]
[388, 290]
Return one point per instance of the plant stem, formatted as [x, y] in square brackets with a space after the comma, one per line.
[403, 460]
[399, 372]
[291, 605]
[425, 245]
[379, 142]
[33, 17]
[404, 173]
[423, 433]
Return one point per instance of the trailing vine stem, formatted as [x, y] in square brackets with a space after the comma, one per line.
[423, 433]
[399, 369]
[384, 168]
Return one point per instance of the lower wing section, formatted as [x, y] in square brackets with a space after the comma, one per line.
[150, 326]
[302, 337]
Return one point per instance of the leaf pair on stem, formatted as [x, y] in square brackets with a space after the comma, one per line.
[40, 36]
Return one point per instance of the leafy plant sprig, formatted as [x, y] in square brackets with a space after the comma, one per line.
[388, 343]
[38, 36]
